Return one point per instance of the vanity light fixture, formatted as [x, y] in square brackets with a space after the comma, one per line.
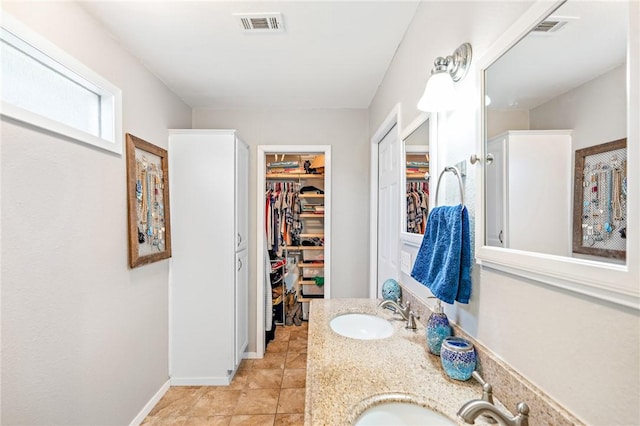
[439, 93]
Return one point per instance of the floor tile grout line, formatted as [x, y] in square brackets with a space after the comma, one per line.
[250, 367]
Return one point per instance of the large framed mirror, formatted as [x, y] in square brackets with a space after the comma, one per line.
[418, 160]
[563, 80]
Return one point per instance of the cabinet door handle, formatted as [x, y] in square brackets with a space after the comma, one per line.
[500, 237]
[239, 264]
[239, 239]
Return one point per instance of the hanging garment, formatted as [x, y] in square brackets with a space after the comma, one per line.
[417, 198]
[282, 215]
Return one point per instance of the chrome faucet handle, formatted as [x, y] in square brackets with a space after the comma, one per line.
[411, 321]
[523, 409]
[487, 389]
[487, 393]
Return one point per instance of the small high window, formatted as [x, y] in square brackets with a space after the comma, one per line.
[46, 87]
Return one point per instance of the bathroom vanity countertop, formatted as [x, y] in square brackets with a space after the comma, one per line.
[342, 372]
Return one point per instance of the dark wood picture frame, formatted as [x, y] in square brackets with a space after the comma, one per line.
[147, 202]
[578, 200]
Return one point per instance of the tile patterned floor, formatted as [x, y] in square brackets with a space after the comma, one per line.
[268, 391]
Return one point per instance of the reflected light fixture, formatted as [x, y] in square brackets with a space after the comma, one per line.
[439, 94]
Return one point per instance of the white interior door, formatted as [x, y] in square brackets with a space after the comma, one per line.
[388, 207]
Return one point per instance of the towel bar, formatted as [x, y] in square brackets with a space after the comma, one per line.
[456, 172]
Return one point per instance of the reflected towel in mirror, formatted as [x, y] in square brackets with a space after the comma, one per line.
[443, 263]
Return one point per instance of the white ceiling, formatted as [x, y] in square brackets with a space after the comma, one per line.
[333, 54]
[543, 66]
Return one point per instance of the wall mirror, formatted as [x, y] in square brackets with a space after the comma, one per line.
[416, 165]
[556, 84]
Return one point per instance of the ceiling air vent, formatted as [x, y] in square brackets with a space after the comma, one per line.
[553, 24]
[549, 26]
[260, 22]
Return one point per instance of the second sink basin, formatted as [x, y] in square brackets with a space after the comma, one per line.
[361, 326]
[400, 414]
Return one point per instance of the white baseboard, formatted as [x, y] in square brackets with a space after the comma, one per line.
[251, 355]
[149, 405]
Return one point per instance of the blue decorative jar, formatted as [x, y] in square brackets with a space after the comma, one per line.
[391, 290]
[458, 358]
[438, 329]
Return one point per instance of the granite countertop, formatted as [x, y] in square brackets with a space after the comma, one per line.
[343, 374]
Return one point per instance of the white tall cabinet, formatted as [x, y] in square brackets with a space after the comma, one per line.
[528, 191]
[209, 266]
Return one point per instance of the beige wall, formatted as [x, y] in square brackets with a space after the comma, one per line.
[84, 338]
[499, 121]
[581, 351]
[346, 131]
[595, 111]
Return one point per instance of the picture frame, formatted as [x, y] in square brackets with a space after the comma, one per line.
[599, 200]
[149, 218]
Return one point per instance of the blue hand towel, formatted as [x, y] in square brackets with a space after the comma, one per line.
[443, 263]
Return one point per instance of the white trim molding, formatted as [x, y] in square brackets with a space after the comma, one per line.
[392, 119]
[149, 405]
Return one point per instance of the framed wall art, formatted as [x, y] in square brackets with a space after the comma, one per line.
[600, 200]
[148, 202]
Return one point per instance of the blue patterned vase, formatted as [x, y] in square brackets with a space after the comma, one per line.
[391, 290]
[458, 358]
[437, 330]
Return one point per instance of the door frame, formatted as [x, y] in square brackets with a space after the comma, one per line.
[393, 118]
[260, 203]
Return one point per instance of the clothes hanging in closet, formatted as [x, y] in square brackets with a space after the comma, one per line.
[282, 215]
[417, 207]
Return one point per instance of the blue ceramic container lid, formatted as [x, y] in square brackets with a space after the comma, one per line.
[457, 344]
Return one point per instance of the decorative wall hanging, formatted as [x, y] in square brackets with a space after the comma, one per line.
[600, 200]
[148, 202]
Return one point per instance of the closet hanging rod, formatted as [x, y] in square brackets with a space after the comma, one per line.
[456, 172]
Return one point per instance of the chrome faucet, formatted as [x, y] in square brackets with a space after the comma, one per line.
[405, 311]
[397, 306]
[476, 407]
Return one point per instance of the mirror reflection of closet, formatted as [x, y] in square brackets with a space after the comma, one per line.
[559, 89]
[416, 178]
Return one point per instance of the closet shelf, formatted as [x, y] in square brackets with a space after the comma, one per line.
[296, 248]
[311, 215]
[293, 176]
[311, 265]
[311, 195]
[415, 176]
[309, 298]
[301, 298]
[318, 235]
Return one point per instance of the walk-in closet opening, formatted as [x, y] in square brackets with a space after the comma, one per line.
[294, 234]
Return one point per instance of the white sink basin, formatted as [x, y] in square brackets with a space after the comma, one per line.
[401, 414]
[361, 326]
